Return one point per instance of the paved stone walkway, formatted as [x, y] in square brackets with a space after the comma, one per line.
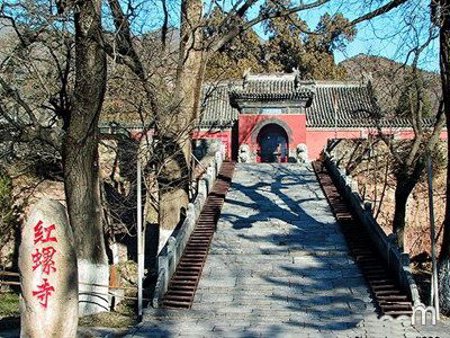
[278, 267]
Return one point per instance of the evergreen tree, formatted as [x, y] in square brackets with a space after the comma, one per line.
[285, 47]
[235, 57]
[412, 94]
[331, 33]
[290, 45]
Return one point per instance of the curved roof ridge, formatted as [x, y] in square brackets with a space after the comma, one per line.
[341, 83]
[271, 76]
[222, 83]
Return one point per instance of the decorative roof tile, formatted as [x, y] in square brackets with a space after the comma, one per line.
[272, 87]
[215, 107]
[344, 105]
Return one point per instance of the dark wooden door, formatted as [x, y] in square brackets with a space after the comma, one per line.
[273, 144]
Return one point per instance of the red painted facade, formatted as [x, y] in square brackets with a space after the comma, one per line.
[316, 139]
[222, 135]
[249, 126]
[269, 112]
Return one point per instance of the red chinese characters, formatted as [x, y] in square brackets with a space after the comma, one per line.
[42, 234]
[43, 292]
[43, 258]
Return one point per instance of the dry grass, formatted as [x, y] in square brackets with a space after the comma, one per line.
[9, 305]
[123, 317]
[9, 311]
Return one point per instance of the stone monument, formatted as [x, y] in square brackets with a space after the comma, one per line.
[48, 274]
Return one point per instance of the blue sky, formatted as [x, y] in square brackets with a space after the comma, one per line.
[391, 35]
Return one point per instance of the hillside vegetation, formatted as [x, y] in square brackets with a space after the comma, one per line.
[388, 79]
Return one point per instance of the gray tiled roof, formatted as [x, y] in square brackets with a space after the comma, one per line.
[344, 104]
[349, 105]
[273, 88]
[340, 104]
[215, 107]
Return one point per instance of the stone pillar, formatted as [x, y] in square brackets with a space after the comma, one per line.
[203, 187]
[48, 273]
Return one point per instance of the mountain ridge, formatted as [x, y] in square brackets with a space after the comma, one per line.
[389, 78]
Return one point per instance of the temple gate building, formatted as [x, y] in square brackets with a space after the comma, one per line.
[278, 117]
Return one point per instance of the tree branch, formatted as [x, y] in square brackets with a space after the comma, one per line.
[127, 50]
[165, 26]
[234, 31]
[12, 93]
[377, 12]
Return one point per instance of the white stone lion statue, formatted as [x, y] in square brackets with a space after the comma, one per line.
[302, 153]
[245, 154]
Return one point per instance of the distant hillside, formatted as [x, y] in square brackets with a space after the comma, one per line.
[388, 78]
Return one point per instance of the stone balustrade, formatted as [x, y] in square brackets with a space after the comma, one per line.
[398, 262]
[171, 254]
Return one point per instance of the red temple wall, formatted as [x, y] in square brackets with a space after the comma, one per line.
[315, 139]
[223, 135]
[250, 125]
[405, 134]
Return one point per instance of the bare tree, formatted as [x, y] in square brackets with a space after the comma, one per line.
[80, 148]
[195, 48]
[442, 17]
[77, 108]
[171, 120]
[410, 156]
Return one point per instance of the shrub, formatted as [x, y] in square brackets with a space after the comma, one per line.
[8, 217]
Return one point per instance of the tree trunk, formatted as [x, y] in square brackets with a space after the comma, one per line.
[81, 158]
[444, 257]
[406, 181]
[191, 64]
[401, 198]
[174, 187]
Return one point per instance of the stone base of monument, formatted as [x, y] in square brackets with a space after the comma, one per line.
[93, 287]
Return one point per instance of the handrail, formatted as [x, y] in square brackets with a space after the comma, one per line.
[398, 262]
[170, 255]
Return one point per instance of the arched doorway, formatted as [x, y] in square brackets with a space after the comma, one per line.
[273, 144]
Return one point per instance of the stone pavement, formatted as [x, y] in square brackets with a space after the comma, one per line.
[278, 267]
